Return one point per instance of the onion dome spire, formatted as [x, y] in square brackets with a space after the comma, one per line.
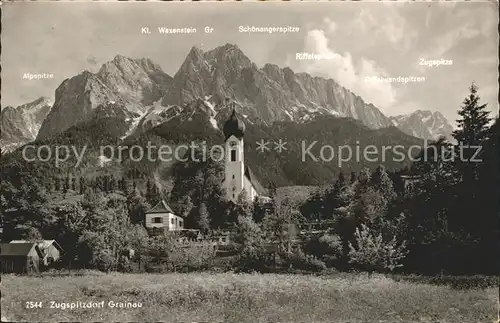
[234, 126]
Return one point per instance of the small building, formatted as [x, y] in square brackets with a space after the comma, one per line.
[51, 250]
[162, 216]
[409, 182]
[20, 258]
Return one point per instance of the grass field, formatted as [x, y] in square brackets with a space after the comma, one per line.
[230, 297]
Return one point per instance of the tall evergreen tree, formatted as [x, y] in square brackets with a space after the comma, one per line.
[57, 185]
[472, 127]
[149, 191]
[105, 183]
[333, 199]
[66, 184]
[82, 185]
[137, 207]
[122, 185]
[381, 181]
[272, 189]
[73, 184]
[473, 131]
[353, 177]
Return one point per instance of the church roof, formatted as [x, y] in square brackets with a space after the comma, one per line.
[255, 183]
[161, 207]
[234, 126]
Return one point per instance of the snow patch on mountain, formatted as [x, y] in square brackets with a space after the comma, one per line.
[134, 122]
[289, 115]
[213, 122]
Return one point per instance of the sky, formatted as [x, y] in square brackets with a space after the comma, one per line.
[362, 39]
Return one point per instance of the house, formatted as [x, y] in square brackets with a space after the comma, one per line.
[20, 258]
[238, 176]
[409, 182]
[162, 216]
[51, 250]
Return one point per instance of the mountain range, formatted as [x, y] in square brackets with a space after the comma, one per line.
[133, 100]
[424, 124]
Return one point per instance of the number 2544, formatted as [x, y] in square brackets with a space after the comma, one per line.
[33, 304]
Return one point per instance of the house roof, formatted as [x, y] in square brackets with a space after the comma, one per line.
[255, 183]
[18, 249]
[161, 207]
[43, 244]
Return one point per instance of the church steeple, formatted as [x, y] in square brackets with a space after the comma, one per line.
[234, 182]
[234, 126]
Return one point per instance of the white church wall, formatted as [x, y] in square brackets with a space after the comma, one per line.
[248, 187]
[234, 169]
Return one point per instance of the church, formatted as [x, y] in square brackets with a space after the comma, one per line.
[238, 176]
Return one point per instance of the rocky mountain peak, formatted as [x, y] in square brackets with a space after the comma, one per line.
[119, 58]
[134, 83]
[21, 124]
[229, 55]
[424, 124]
[195, 53]
[43, 100]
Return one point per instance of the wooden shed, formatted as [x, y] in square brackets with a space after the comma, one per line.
[20, 258]
[51, 250]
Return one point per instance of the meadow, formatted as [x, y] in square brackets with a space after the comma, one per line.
[228, 297]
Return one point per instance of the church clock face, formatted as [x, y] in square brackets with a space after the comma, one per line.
[232, 143]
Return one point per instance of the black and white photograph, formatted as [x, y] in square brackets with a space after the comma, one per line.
[261, 161]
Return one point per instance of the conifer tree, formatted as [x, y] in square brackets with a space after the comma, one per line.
[472, 131]
[382, 182]
[472, 127]
[66, 184]
[149, 191]
[353, 177]
[333, 196]
[57, 186]
[112, 183]
[272, 189]
[73, 184]
[82, 185]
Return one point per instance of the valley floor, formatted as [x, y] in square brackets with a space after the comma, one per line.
[227, 297]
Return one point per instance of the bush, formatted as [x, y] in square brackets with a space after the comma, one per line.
[170, 254]
[192, 256]
[327, 247]
[249, 262]
[372, 252]
[249, 245]
[124, 264]
[300, 260]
